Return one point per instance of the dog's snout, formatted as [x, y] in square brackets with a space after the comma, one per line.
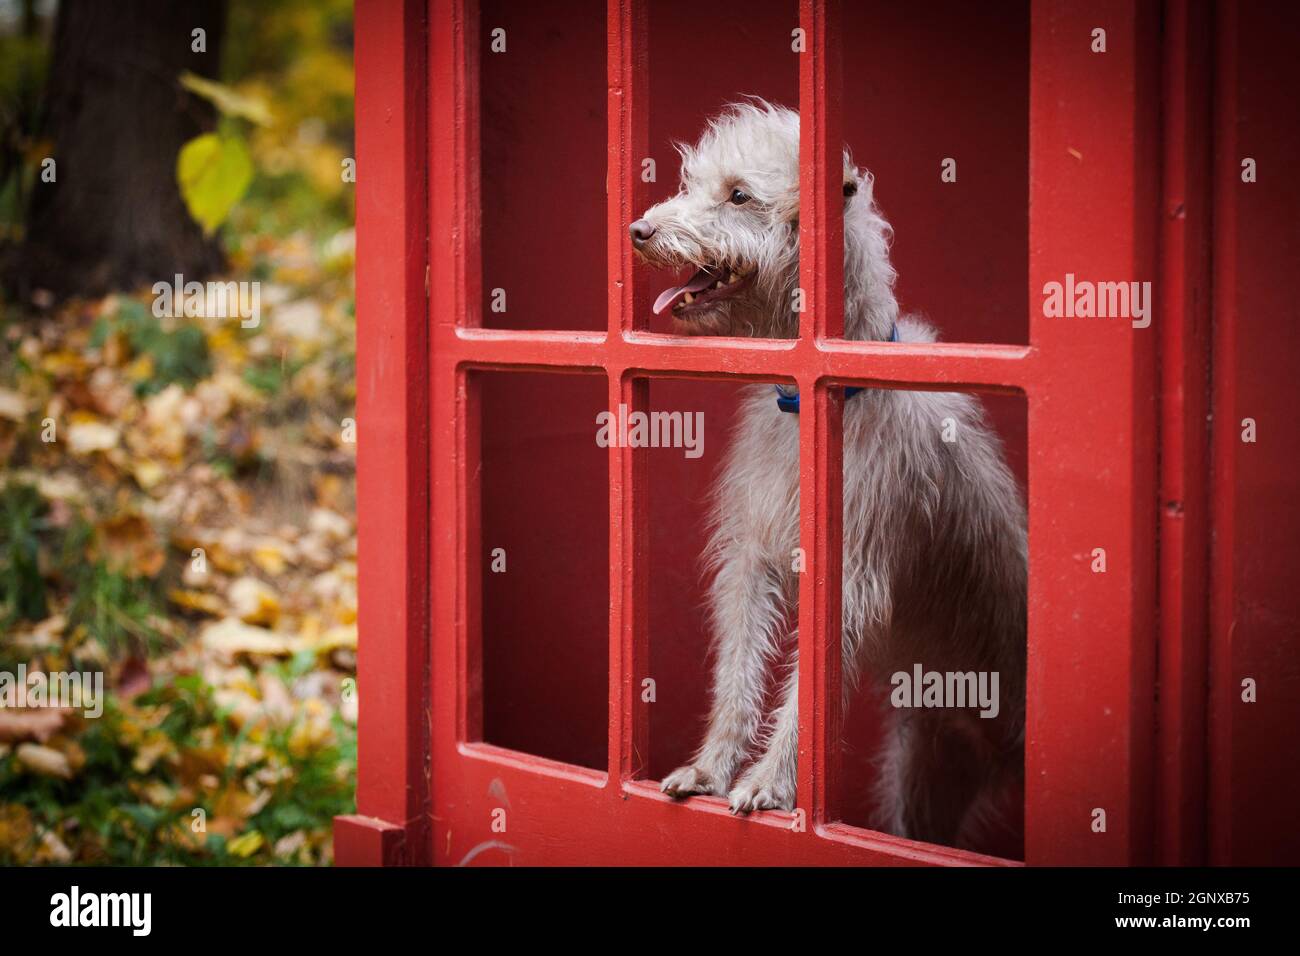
[641, 231]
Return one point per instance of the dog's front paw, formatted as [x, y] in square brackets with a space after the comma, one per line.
[685, 781]
[761, 794]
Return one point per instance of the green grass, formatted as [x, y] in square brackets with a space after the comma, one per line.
[22, 525]
[179, 355]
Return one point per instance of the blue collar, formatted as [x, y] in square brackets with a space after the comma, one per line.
[788, 400]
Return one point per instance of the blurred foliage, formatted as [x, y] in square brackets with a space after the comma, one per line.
[296, 59]
[175, 355]
[24, 59]
[175, 509]
[22, 586]
[161, 780]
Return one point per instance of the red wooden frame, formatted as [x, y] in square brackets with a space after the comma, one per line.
[428, 786]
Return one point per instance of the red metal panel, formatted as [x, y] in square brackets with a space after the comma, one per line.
[1255, 605]
[556, 813]
[997, 368]
[629, 721]
[821, 276]
[1092, 470]
[1222, 571]
[1090, 708]
[566, 816]
[1184, 328]
[392, 475]
[454, 291]
[366, 841]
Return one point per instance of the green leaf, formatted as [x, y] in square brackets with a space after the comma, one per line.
[226, 100]
[214, 173]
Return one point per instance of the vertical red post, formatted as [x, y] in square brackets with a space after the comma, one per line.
[1093, 201]
[628, 145]
[1223, 572]
[455, 713]
[821, 279]
[456, 290]
[390, 825]
[1183, 322]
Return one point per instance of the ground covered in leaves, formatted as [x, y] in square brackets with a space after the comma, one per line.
[176, 513]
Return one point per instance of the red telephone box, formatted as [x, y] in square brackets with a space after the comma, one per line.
[510, 727]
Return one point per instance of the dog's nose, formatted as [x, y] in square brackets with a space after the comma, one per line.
[640, 231]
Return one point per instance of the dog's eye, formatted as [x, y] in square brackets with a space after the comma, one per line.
[739, 197]
[850, 189]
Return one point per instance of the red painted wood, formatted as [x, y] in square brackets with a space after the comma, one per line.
[392, 409]
[366, 841]
[544, 636]
[1098, 412]
[821, 470]
[1255, 604]
[1183, 321]
[565, 816]
[629, 721]
[1223, 694]
[542, 162]
[1000, 368]
[935, 80]
[544, 111]
[559, 811]
[1093, 202]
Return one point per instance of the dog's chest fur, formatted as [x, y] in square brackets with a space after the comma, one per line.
[931, 519]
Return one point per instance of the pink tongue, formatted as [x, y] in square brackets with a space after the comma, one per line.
[699, 282]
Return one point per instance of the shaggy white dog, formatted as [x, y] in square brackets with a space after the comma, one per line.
[934, 529]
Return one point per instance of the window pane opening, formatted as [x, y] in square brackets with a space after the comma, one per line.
[722, 583]
[544, 565]
[934, 602]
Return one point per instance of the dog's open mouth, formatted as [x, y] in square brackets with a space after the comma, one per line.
[706, 287]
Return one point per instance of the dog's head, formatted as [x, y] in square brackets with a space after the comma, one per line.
[734, 224]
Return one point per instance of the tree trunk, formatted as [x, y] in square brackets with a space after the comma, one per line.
[117, 118]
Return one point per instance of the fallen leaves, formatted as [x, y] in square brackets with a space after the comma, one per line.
[30, 723]
[45, 761]
[230, 637]
[129, 544]
[13, 405]
[194, 542]
[87, 436]
[253, 601]
[211, 511]
[246, 845]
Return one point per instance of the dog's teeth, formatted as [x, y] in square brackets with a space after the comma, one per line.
[690, 297]
[733, 278]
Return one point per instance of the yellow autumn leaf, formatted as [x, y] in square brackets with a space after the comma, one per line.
[246, 845]
[213, 172]
[227, 100]
[199, 601]
[148, 473]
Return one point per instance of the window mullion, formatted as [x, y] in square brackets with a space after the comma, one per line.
[627, 143]
[821, 278]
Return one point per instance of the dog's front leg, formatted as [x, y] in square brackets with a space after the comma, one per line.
[770, 783]
[747, 607]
